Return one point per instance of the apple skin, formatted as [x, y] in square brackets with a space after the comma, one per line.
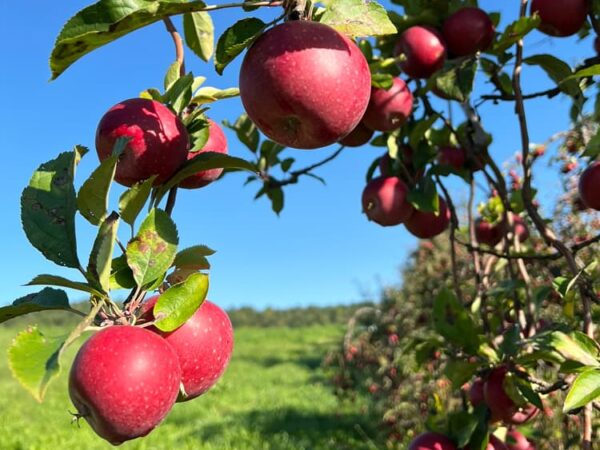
[520, 228]
[476, 395]
[468, 31]
[431, 441]
[203, 346]
[524, 415]
[304, 84]
[589, 186]
[426, 225]
[487, 233]
[424, 49]
[384, 201]
[158, 143]
[124, 381]
[361, 135]
[217, 142]
[560, 18]
[500, 404]
[454, 157]
[389, 109]
[516, 441]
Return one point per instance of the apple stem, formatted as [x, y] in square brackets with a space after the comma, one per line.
[178, 42]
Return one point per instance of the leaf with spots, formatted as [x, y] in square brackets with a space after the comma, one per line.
[152, 251]
[106, 21]
[46, 299]
[358, 18]
[48, 207]
[178, 303]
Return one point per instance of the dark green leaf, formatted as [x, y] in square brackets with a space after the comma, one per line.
[99, 266]
[199, 33]
[424, 196]
[121, 276]
[246, 132]
[452, 321]
[46, 299]
[456, 81]
[236, 39]
[178, 303]
[358, 18]
[53, 280]
[462, 427]
[277, 199]
[558, 71]
[459, 372]
[193, 258]
[132, 201]
[48, 207]
[179, 94]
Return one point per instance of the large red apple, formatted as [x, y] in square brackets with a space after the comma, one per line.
[304, 84]
[455, 157]
[217, 142]
[124, 381]
[158, 142]
[426, 225]
[384, 201]
[389, 109]
[424, 51]
[468, 31]
[358, 137]
[589, 186]
[489, 233]
[560, 18]
[431, 441]
[500, 404]
[203, 346]
[516, 441]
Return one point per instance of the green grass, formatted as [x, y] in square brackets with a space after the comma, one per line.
[273, 396]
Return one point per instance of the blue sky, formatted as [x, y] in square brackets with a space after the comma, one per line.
[321, 250]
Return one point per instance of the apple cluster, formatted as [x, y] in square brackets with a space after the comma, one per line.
[125, 379]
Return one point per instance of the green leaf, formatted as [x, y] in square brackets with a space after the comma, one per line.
[462, 426]
[587, 72]
[121, 276]
[558, 71]
[459, 372]
[210, 94]
[108, 20]
[48, 207]
[382, 80]
[358, 18]
[193, 258]
[46, 299]
[585, 389]
[152, 251]
[92, 199]
[246, 132]
[33, 360]
[235, 40]
[199, 33]
[152, 94]
[172, 75]
[424, 196]
[99, 266]
[277, 199]
[571, 349]
[515, 32]
[420, 128]
[456, 82]
[452, 321]
[54, 280]
[178, 303]
[179, 94]
[133, 200]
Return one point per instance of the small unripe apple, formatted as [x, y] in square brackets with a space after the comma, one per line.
[424, 51]
[516, 441]
[589, 186]
[203, 346]
[454, 157]
[389, 109]
[124, 381]
[431, 441]
[361, 135]
[476, 396]
[488, 233]
[217, 142]
[384, 201]
[158, 141]
[560, 18]
[500, 404]
[304, 84]
[468, 31]
[426, 225]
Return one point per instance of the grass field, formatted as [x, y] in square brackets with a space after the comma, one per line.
[273, 396]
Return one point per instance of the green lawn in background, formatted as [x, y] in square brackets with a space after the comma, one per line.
[273, 396]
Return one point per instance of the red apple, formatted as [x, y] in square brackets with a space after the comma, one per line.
[124, 381]
[560, 18]
[488, 233]
[217, 142]
[520, 228]
[389, 109]
[476, 396]
[158, 142]
[468, 31]
[516, 441]
[454, 157]
[384, 201]
[358, 137]
[304, 84]
[431, 441]
[589, 186]
[426, 225]
[424, 51]
[500, 404]
[523, 415]
[203, 346]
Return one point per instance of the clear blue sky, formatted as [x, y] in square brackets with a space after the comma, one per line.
[321, 250]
